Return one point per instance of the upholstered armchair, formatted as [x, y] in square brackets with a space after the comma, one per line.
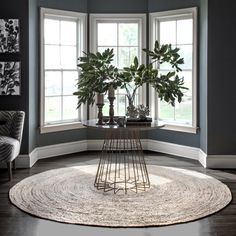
[11, 129]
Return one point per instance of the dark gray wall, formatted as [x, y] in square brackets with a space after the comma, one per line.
[68, 5]
[165, 5]
[117, 6]
[19, 10]
[221, 77]
[33, 73]
[203, 86]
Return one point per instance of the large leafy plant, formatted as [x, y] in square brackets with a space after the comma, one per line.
[168, 86]
[97, 74]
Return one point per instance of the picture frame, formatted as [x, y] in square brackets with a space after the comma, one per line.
[9, 36]
[10, 78]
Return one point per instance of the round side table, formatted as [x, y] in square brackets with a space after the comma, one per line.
[122, 165]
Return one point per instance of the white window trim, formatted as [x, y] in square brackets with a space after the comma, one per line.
[82, 17]
[153, 98]
[141, 18]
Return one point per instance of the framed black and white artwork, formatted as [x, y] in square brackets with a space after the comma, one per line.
[10, 78]
[9, 36]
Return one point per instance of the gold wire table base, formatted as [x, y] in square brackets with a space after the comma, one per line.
[122, 165]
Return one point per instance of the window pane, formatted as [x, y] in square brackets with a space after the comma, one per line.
[52, 109]
[107, 34]
[128, 34]
[184, 31]
[52, 83]
[183, 110]
[166, 111]
[133, 53]
[68, 33]
[166, 66]
[52, 57]
[168, 32]
[122, 106]
[69, 108]
[187, 75]
[68, 57]
[126, 56]
[69, 82]
[186, 52]
[51, 31]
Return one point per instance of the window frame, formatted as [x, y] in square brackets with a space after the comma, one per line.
[81, 19]
[154, 18]
[119, 18]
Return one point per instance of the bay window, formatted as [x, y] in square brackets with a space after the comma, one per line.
[63, 40]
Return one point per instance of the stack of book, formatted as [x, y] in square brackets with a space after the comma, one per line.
[139, 121]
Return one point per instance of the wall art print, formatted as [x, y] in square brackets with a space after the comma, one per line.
[9, 36]
[10, 78]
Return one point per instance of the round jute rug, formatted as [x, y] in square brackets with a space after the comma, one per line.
[67, 195]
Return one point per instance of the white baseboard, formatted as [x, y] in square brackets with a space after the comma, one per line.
[202, 158]
[61, 149]
[173, 149]
[27, 161]
[207, 161]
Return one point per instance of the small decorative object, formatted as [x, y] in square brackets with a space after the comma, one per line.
[100, 104]
[111, 98]
[10, 78]
[9, 35]
[143, 112]
[121, 121]
[132, 111]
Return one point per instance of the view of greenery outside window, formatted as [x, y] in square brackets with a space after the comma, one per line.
[60, 46]
[124, 38]
[178, 30]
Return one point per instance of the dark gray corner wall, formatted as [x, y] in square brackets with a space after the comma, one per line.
[33, 73]
[203, 68]
[117, 6]
[68, 5]
[165, 5]
[37, 139]
[18, 10]
[221, 77]
[165, 135]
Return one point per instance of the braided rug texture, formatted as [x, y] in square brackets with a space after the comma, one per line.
[67, 195]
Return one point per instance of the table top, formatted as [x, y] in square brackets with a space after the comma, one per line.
[142, 126]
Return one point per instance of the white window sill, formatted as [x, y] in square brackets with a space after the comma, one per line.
[181, 128]
[61, 127]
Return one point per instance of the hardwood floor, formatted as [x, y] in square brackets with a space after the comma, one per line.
[14, 222]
